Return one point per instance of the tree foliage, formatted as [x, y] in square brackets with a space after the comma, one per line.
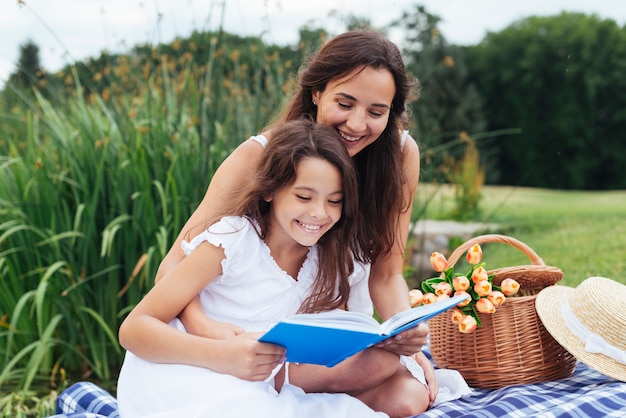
[559, 79]
[448, 104]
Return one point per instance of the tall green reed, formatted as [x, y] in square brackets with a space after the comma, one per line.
[94, 186]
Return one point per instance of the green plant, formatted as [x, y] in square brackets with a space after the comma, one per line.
[467, 177]
[93, 189]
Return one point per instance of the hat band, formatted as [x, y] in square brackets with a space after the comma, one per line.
[593, 342]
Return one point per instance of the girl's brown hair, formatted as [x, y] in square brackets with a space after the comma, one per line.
[291, 142]
[379, 166]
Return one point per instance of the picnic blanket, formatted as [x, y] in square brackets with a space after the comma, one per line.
[586, 394]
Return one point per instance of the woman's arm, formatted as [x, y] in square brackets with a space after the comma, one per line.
[231, 175]
[388, 287]
[146, 331]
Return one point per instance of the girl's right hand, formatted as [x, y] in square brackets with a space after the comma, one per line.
[243, 356]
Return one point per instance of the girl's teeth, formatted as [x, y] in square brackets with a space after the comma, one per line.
[310, 227]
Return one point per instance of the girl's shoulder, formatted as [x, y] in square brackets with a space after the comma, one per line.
[225, 233]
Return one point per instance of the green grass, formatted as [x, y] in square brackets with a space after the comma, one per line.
[581, 232]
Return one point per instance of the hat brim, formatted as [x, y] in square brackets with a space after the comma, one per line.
[548, 304]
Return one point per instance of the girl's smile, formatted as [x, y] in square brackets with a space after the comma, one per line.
[306, 209]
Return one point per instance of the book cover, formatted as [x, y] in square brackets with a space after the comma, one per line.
[327, 338]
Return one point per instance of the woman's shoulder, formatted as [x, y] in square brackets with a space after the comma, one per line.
[407, 143]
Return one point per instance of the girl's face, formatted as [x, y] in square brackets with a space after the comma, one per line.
[357, 105]
[306, 209]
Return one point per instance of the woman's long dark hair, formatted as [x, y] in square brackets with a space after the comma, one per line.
[291, 142]
[379, 166]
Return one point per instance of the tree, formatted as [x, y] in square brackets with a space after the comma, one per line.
[27, 75]
[448, 104]
[557, 78]
[29, 70]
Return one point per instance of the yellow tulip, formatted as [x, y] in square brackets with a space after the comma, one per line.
[484, 305]
[479, 274]
[429, 298]
[461, 283]
[475, 254]
[466, 301]
[415, 297]
[457, 316]
[497, 298]
[468, 324]
[483, 288]
[438, 262]
[509, 287]
[443, 288]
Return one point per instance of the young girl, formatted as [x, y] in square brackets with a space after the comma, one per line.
[285, 247]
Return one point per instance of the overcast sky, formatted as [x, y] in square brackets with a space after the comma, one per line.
[69, 30]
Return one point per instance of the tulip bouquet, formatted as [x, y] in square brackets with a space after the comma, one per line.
[485, 297]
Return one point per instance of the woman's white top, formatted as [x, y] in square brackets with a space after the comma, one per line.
[261, 139]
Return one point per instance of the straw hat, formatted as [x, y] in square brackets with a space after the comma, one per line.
[589, 322]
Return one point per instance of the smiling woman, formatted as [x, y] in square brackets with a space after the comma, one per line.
[359, 120]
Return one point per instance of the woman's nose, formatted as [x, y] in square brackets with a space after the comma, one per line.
[356, 121]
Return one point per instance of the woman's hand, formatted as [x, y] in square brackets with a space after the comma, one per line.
[243, 356]
[408, 342]
[196, 322]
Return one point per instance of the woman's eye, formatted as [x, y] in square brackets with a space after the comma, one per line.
[344, 105]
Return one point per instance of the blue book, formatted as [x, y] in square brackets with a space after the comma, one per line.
[327, 338]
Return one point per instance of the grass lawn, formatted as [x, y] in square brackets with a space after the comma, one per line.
[581, 232]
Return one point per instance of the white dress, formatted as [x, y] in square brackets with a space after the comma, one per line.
[253, 292]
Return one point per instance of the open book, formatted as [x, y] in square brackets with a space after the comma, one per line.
[327, 338]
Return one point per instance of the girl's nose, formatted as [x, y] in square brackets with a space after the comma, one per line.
[317, 210]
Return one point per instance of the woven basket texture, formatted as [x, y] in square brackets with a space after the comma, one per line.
[512, 346]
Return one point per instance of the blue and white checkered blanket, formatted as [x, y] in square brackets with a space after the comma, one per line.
[586, 394]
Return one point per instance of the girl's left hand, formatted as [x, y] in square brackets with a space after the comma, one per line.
[408, 342]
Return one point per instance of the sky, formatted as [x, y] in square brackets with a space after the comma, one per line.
[70, 30]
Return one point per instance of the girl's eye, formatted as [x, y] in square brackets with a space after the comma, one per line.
[335, 202]
[303, 197]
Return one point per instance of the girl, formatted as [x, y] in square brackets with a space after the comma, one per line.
[357, 84]
[284, 248]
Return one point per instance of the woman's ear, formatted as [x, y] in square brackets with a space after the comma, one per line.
[316, 97]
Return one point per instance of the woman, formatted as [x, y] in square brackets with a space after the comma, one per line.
[356, 83]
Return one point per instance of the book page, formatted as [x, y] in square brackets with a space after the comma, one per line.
[338, 318]
[420, 312]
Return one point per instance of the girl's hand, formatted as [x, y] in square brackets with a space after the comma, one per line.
[243, 356]
[429, 373]
[408, 342]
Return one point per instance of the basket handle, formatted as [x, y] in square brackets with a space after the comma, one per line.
[494, 238]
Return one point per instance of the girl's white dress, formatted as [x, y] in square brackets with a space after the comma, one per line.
[254, 293]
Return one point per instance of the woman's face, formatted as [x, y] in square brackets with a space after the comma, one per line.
[357, 105]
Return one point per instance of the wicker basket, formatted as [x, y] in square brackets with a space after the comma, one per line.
[512, 346]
